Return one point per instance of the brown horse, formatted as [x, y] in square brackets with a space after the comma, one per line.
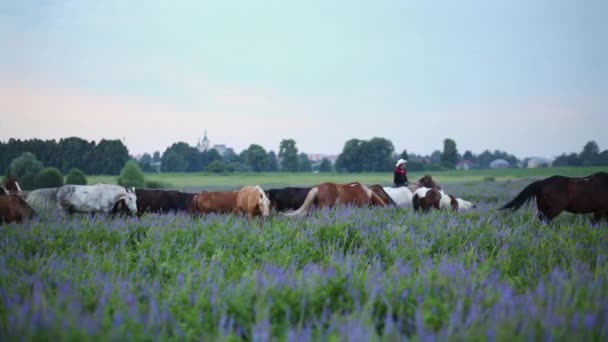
[428, 182]
[11, 187]
[328, 195]
[583, 195]
[14, 209]
[379, 190]
[249, 200]
[426, 199]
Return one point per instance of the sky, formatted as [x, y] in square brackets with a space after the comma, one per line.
[527, 77]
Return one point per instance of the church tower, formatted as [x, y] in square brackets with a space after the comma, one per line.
[204, 144]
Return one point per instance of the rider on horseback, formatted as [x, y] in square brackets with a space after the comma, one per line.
[400, 174]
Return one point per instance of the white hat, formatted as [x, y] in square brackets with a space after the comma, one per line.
[401, 161]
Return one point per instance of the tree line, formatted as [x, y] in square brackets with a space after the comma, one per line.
[377, 154]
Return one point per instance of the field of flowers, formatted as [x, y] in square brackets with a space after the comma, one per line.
[346, 274]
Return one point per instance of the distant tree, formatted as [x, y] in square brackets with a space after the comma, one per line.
[131, 175]
[468, 155]
[403, 155]
[76, 177]
[49, 177]
[108, 157]
[230, 156]
[256, 158]
[208, 157]
[449, 156]
[273, 162]
[179, 157]
[217, 166]
[603, 158]
[377, 155]
[74, 152]
[24, 168]
[436, 157]
[156, 157]
[567, 160]
[350, 158]
[145, 163]
[325, 165]
[304, 164]
[589, 154]
[288, 155]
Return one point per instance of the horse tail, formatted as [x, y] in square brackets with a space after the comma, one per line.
[529, 192]
[310, 199]
[42, 199]
[416, 202]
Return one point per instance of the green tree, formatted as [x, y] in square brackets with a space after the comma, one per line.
[256, 158]
[217, 166]
[156, 157]
[49, 177]
[349, 159]
[74, 152]
[76, 177]
[108, 158]
[404, 155]
[177, 158]
[145, 163]
[288, 155]
[273, 162]
[589, 154]
[325, 165]
[131, 175]
[24, 168]
[304, 164]
[449, 156]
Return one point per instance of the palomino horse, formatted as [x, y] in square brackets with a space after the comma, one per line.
[98, 198]
[161, 201]
[249, 200]
[290, 198]
[581, 195]
[330, 194]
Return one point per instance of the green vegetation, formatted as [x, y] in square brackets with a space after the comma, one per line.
[131, 175]
[49, 177]
[24, 168]
[76, 177]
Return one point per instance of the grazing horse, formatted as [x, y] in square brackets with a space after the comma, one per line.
[11, 186]
[454, 203]
[381, 192]
[252, 201]
[401, 196]
[426, 199]
[580, 195]
[218, 202]
[43, 199]
[330, 194]
[161, 201]
[98, 198]
[290, 198]
[15, 209]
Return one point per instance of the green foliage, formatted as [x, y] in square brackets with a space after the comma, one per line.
[156, 184]
[49, 177]
[449, 156]
[24, 168]
[131, 175]
[325, 166]
[217, 166]
[273, 162]
[256, 158]
[76, 177]
[304, 164]
[288, 154]
[145, 163]
[366, 156]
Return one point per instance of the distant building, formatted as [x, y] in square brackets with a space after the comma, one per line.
[499, 164]
[203, 145]
[535, 162]
[317, 157]
[464, 165]
[220, 148]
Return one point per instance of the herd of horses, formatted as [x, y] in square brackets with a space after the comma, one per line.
[553, 195]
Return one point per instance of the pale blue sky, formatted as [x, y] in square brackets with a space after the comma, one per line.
[529, 77]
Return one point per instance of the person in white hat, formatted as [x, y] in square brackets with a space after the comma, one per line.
[400, 174]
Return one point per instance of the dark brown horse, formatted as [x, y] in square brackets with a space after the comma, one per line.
[328, 195]
[11, 187]
[428, 182]
[290, 198]
[583, 195]
[162, 201]
[379, 190]
[426, 199]
[14, 209]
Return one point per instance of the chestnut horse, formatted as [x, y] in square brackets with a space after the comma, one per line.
[11, 187]
[577, 195]
[379, 190]
[250, 200]
[14, 209]
[330, 194]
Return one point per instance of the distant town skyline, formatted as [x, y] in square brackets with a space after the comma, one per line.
[528, 78]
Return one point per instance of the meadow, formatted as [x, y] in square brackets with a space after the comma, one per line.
[356, 274]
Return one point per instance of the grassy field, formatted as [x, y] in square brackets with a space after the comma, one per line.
[204, 180]
[349, 274]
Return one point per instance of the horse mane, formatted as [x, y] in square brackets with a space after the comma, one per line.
[45, 198]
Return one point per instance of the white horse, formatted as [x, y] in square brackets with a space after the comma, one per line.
[454, 203]
[402, 196]
[96, 198]
[43, 199]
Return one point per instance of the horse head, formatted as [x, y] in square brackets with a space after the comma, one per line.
[263, 202]
[428, 182]
[11, 186]
[129, 200]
